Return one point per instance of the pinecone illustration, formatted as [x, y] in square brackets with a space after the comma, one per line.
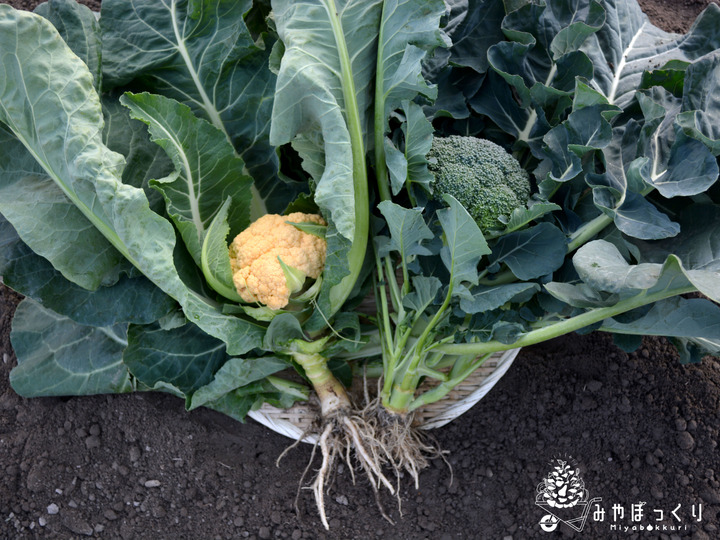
[563, 487]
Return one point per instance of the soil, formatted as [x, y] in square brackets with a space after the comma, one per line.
[641, 428]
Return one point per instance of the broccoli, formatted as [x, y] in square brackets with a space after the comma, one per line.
[488, 181]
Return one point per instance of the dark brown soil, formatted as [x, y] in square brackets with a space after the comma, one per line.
[642, 428]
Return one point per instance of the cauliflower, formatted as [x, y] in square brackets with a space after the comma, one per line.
[258, 275]
[481, 175]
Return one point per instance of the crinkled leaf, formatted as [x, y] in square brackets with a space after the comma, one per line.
[408, 31]
[697, 245]
[600, 265]
[79, 27]
[628, 44]
[58, 357]
[674, 317]
[701, 102]
[144, 160]
[48, 221]
[310, 108]
[207, 169]
[131, 299]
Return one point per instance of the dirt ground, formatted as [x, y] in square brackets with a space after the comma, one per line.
[641, 428]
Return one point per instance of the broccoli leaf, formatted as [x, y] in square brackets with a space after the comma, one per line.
[464, 244]
[407, 230]
[531, 253]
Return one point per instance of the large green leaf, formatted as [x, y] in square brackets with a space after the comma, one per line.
[601, 266]
[207, 169]
[48, 221]
[58, 357]
[701, 102]
[53, 109]
[132, 299]
[628, 45]
[201, 54]
[324, 92]
[79, 27]
[674, 317]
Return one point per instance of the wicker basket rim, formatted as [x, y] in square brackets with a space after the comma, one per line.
[296, 421]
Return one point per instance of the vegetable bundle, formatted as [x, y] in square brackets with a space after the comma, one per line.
[494, 174]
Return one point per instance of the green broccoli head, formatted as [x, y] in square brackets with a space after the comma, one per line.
[488, 181]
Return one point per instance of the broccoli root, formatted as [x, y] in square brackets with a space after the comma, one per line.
[488, 181]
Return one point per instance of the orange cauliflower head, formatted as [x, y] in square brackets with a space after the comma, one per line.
[257, 273]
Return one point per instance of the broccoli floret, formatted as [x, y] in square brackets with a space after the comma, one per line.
[488, 181]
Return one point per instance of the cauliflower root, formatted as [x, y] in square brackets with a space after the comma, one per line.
[255, 253]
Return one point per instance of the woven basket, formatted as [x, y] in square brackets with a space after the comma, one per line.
[296, 421]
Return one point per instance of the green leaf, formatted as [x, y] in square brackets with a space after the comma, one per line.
[628, 45]
[144, 160]
[407, 228]
[283, 329]
[311, 228]
[61, 94]
[600, 265]
[478, 27]
[580, 295]
[236, 372]
[207, 169]
[216, 255]
[522, 216]
[701, 104]
[79, 27]
[409, 166]
[313, 108]
[409, 30]
[464, 244]
[201, 54]
[424, 292]
[481, 299]
[58, 357]
[131, 299]
[48, 221]
[531, 253]
[697, 245]
[184, 357]
[673, 317]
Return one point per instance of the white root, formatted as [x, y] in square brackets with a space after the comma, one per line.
[379, 440]
[319, 484]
